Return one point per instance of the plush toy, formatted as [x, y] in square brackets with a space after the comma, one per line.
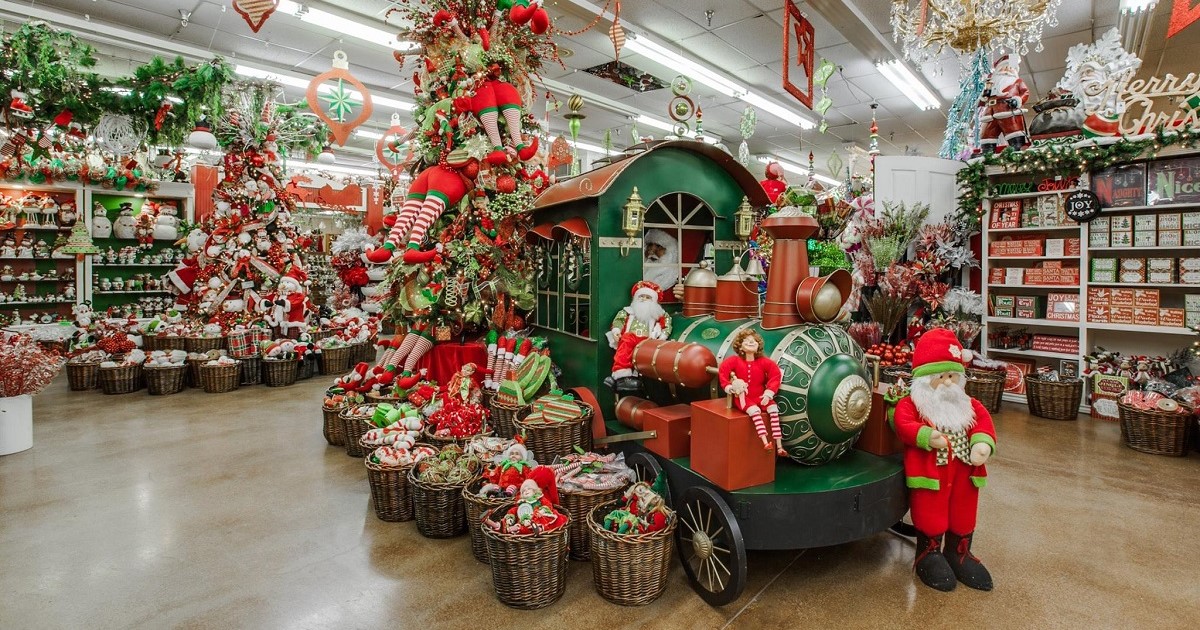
[535, 511]
[509, 470]
[527, 12]
[948, 438]
[643, 319]
[435, 189]
[774, 183]
[1003, 114]
[753, 380]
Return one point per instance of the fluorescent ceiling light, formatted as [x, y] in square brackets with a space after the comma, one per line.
[324, 88]
[343, 26]
[332, 168]
[798, 170]
[1134, 6]
[650, 121]
[778, 111]
[908, 84]
[368, 134]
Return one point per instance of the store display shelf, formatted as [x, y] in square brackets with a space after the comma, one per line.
[18, 280]
[35, 258]
[1151, 285]
[35, 228]
[1036, 193]
[130, 292]
[1048, 287]
[135, 265]
[1033, 353]
[1161, 206]
[1169, 248]
[1030, 322]
[1033, 257]
[1055, 228]
[1157, 330]
[8, 304]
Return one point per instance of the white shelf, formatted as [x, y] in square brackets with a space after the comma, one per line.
[1050, 287]
[1161, 206]
[1033, 353]
[1055, 228]
[1139, 285]
[135, 265]
[1169, 248]
[1033, 257]
[130, 292]
[1021, 321]
[8, 304]
[17, 280]
[1036, 193]
[35, 228]
[1157, 330]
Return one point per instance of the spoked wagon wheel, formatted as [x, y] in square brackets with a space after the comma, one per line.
[710, 546]
[647, 469]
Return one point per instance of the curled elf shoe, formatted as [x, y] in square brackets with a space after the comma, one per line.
[526, 151]
[379, 255]
[931, 566]
[414, 256]
[967, 568]
[499, 157]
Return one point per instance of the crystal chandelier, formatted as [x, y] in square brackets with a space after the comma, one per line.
[929, 27]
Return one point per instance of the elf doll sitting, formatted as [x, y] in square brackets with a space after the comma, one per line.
[753, 380]
[508, 471]
[948, 438]
[535, 511]
[643, 510]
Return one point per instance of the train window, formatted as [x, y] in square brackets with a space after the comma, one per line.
[546, 314]
[575, 262]
[679, 232]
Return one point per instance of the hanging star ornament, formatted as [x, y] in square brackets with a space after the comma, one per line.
[338, 105]
[341, 104]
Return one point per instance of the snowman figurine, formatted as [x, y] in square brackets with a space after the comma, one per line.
[101, 226]
[25, 250]
[125, 227]
[166, 227]
[9, 248]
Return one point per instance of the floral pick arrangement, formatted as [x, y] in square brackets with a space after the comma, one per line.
[25, 367]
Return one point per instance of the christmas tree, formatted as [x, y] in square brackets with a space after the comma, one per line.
[456, 243]
[242, 265]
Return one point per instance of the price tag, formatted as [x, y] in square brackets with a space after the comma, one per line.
[1083, 206]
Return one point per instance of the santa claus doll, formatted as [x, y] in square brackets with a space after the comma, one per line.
[643, 319]
[774, 184]
[753, 380]
[289, 309]
[1002, 118]
[948, 437]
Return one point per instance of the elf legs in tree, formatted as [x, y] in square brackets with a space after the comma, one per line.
[494, 98]
[435, 189]
[531, 12]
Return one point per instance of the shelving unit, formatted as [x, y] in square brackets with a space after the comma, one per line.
[35, 229]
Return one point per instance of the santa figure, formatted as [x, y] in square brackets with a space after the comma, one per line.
[948, 437]
[1003, 115]
[660, 259]
[774, 184]
[289, 312]
[643, 319]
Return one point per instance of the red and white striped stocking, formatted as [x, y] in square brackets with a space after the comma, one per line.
[422, 345]
[512, 118]
[773, 411]
[491, 126]
[406, 346]
[430, 211]
[404, 221]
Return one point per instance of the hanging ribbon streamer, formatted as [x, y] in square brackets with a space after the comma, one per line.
[615, 32]
[746, 127]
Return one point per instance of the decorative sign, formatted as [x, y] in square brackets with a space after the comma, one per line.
[1006, 214]
[1174, 181]
[1139, 97]
[1183, 13]
[255, 12]
[795, 23]
[1012, 188]
[1051, 184]
[336, 106]
[1120, 186]
[1082, 206]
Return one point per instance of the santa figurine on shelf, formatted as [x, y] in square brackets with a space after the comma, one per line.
[753, 379]
[948, 438]
[1002, 117]
[643, 319]
[774, 184]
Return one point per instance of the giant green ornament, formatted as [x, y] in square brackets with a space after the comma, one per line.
[825, 397]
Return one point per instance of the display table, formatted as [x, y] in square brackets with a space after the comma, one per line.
[445, 359]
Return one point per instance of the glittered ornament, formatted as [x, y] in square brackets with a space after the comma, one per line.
[255, 12]
[388, 149]
[336, 106]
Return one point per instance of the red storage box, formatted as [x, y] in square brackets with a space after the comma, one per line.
[674, 427]
[726, 449]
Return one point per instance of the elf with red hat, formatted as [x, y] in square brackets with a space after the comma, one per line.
[643, 319]
[948, 437]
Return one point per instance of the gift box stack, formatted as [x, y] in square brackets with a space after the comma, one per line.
[1053, 273]
[1018, 247]
[1140, 307]
[1022, 306]
[1166, 229]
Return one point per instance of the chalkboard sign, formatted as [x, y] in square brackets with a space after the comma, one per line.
[1083, 206]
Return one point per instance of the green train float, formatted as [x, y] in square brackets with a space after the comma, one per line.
[590, 232]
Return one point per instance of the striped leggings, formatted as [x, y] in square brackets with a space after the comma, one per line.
[756, 415]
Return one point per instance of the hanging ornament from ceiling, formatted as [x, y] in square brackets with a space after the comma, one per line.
[746, 127]
[615, 32]
[392, 150]
[560, 153]
[574, 122]
[835, 164]
[873, 147]
[116, 134]
[337, 105]
[821, 80]
[255, 12]
[682, 107]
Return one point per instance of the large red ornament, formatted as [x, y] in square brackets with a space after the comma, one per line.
[255, 12]
[339, 103]
[390, 152]
[506, 184]
[794, 20]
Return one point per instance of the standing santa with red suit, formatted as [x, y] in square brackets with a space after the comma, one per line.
[643, 319]
[1003, 104]
[948, 437]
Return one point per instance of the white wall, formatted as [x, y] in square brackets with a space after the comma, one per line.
[912, 179]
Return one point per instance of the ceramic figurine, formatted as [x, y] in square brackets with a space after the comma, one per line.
[9, 248]
[166, 226]
[125, 227]
[25, 250]
[41, 249]
[67, 214]
[69, 292]
[118, 284]
[49, 211]
[105, 284]
[101, 226]
[31, 207]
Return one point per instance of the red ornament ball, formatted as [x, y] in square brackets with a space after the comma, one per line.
[506, 184]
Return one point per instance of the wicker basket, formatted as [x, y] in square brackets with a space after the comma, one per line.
[986, 386]
[390, 493]
[528, 572]
[503, 417]
[251, 373]
[377, 398]
[476, 506]
[331, 426]
[630, 569]
[1055, 400]
[548, 441]
[83, 376]
[336, 361]
[439, 442]
[124, 379]
[171, 342]
[580, 505]
[363, 353]
[353, 428]
[193, 371]
[218, 379]
[203, 344]
[1155, 432]
[150, 343]
[438, 507]
[165, 380]
[280, 372]
[306, 368]
[892, 374]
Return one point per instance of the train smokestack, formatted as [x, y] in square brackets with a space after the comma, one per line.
[791, 229]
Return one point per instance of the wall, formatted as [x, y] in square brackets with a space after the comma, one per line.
[911, 179]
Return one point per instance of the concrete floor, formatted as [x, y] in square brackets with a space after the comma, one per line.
[229, 511]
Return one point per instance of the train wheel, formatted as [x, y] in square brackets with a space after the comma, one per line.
[647, 470]
[710, 546]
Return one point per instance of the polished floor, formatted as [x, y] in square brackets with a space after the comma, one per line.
[229, 511]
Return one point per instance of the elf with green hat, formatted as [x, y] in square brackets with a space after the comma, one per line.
[948, 437]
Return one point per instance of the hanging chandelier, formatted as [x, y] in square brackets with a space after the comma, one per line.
[928, 27]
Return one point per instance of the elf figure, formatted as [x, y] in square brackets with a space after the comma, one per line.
[753, 380]
[435, 189]
[948, 437]
[464, 386]
[534, 512]
[643, 319]
[509, 470]
[1003, 115]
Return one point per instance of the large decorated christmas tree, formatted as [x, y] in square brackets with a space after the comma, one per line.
[457, 241]
[242, 265]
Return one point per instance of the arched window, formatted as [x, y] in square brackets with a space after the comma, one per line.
[679, 233]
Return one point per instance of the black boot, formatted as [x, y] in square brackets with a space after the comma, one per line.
[966, 566]
[931, 565]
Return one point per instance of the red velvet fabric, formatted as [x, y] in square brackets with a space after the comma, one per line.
[445, 359]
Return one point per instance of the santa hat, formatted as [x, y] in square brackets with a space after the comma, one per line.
[544, 478]
[183, 277]
[645, 287]
[774, 170]
[938, 351]
[1008, 62]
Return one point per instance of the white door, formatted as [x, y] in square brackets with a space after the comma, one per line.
[909, 179]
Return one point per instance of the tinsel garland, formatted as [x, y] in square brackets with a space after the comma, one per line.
[1058, 157]
[962, 114]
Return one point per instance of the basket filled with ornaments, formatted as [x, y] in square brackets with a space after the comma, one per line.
[499, 485]
[1052, 395]
[437, 484]
[584, 481]
[392, 423]
[393, 450]
[1156, 423]
[123, 375]
[356, 421]
[334, 355]
[280, 364]
[207, 337]
[985, 381]
[632, 541]
[165, 372]
[83, 369]
[527, 544]
[220, 375]
[556, 424]
[332, 404]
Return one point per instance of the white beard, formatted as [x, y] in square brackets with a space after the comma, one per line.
[647, 312]
[1002, 80]
[948, 407]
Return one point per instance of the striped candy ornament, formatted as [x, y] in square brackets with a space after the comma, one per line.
[255, 12]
